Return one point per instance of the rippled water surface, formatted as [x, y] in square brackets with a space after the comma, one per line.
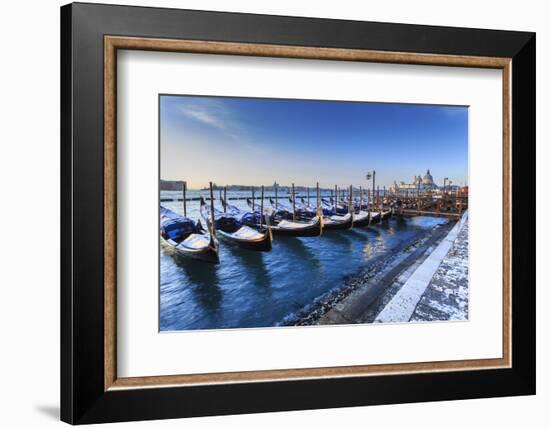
[251, 289]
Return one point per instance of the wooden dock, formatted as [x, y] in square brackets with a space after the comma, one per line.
[413, 213]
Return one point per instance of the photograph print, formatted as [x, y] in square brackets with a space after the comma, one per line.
[288, 212]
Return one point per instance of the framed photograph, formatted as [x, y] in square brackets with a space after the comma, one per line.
[266, 213]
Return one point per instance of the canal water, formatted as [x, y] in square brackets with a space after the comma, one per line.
[251, 289]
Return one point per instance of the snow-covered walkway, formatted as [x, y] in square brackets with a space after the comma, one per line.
[429, 293]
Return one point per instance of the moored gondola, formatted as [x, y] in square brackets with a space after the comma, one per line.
[337, 216]
[333, 220]
[297, 212]
[282, 224]
[338, 222]
[329, 206]
[248, 218]
[385, 214]
[234, 231]
[361, 219]
[314, 227]
[184, 238]
[374, 217]
[300, 220]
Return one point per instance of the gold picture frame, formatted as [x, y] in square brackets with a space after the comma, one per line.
[114, 43]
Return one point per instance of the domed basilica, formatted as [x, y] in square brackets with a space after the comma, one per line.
[419, 183]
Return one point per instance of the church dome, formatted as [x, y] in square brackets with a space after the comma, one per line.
[428, 179]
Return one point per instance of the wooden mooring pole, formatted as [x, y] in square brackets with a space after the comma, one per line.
[293, 204]
[373, 186]
[350, 208]
[185, 198]
[318, 200]
[212, 217]
[262, 206]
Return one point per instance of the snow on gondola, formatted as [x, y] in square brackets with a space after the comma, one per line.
[233, 229]
[185, 238]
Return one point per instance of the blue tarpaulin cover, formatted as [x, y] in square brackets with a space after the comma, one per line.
[174, 226]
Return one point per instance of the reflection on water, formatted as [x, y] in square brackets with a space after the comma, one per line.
[252, 262]
[296, 247]
[250, 289]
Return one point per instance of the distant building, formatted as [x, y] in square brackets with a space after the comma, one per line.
[171, 185]
[419, 183]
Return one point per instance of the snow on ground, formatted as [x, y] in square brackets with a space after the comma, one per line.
[403, 305]
[446, 297]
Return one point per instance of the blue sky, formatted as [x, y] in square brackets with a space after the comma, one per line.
[256, 141]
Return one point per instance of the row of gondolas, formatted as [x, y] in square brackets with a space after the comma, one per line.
[254, 229]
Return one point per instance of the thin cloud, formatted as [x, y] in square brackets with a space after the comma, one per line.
[215, 114]
[205, 117]
[209, 112]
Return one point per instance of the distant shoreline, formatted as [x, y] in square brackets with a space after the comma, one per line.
[173, 186]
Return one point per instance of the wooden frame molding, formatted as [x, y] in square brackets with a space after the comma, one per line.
[113, 43]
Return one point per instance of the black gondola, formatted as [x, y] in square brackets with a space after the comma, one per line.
[234, 231]
[338, 222]
[361, 219]
[336, 217]
[385, 215]
[375, 217]
[361, 214]
[184, 238]
[293, 228]
[282, 225]
[285, 212]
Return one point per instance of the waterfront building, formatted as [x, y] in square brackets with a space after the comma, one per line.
[419, 184]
